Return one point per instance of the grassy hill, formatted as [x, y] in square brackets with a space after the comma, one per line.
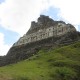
[55, 64]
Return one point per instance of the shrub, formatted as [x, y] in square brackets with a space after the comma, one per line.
[67, 63]
[21, 78]
[64, 73]
[77, 45]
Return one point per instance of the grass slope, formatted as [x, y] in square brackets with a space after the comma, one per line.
[59, 64]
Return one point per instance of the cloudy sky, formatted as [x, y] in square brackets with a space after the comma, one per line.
[16, 16]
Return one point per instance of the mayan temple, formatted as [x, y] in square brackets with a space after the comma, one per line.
[43, 34]
[44, 28]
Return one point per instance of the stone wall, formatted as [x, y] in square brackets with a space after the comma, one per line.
[44, 34]
[57, 30]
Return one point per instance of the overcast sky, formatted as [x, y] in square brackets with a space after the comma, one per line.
[16, 16]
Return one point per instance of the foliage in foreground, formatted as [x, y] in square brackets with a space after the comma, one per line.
[59, 64]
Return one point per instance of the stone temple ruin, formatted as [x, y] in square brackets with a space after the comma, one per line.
[44, 28]
[43, 34]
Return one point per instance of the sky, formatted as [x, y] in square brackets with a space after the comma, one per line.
[16, 17]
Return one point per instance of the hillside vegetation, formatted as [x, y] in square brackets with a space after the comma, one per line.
[55, 64]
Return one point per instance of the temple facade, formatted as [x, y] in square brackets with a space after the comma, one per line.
[39, 31]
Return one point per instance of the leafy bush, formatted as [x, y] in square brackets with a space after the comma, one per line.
[64, 73]
[21, 78]
[76, 45]
[66, 62]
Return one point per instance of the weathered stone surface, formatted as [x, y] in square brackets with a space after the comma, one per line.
[44, 28]
[64, 34]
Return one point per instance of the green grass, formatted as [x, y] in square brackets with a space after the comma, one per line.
[59, 64]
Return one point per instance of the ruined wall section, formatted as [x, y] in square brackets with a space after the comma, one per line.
[40, 31]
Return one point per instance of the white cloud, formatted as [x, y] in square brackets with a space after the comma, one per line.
[17, 15]
[69, 10]
[3, 47]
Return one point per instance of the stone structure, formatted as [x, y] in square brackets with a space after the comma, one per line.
[44, 28]
[43, 34]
